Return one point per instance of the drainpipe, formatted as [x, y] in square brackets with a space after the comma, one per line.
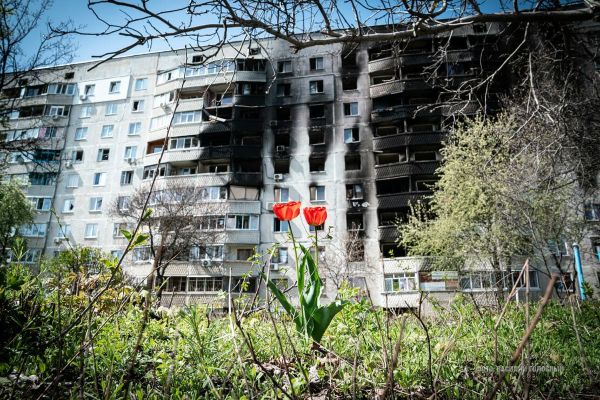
[577, 257]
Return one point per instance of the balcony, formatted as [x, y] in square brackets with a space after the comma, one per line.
[242, 236]
[392, 201]
[388, 233]
[405, 169]
[229, 151]
[173, 156]
[389, 114]
[387, 88]
[388, 63]
[407, 139]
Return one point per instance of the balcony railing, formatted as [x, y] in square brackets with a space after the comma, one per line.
[405, 169]
[407, 139]
[398, 200]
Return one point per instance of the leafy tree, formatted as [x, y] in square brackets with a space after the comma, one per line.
[15, 211]
[500, 195]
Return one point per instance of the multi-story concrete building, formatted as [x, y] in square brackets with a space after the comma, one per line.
[357, 130]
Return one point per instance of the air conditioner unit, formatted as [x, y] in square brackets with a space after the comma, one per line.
[206, 263]
[130, 160]
[270, 205]
[83, 97]
[68, 164]
[58, 240]
[274, 267]
[280, 149]
[56, 116]
[278, 177]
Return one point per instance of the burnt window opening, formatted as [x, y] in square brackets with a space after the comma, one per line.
[23, 82]
[376, 80]
[216, 168]
[251, 65]
[316, 136]
[352, 162]
[248, 166]
[245, 113]
[420, 101]
[284, 114]
[350, 82]
[221, 113]
[316, 164]
[391, 250]
[197, 59]
[282, 139]
[455, 43]
[281, 166]
[379, 52]
[429, 155]
[417, 46]
[216, 140]
[354, 222]
[390, 218]
[69, 75]
[354, 191]
[284, 89]
[250, 89]
[349, 60]
[254, 51]
[393, 186]
[425, 184]
[315, 87]
[250, 141]
[421, 127]
[390, 158]
[386, 131]
[317, 111]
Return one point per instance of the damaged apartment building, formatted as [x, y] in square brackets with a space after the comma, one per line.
[357, 129]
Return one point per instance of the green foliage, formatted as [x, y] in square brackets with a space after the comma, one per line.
[15, 210]
[500, 194]
[311, 319]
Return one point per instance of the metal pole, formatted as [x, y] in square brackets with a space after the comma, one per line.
[577, 257]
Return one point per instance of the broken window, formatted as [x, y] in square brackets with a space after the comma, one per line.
[316, 164]
[393, 186]
[317, 111]
[282, 139]
[390, 158]
[354, 222]
[350, 82]
[351, 109]
[352, 162]
[281, 166]
[284, 114]
[354, 191]
[425, 155]
[316, 136]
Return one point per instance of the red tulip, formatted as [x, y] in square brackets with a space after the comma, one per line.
[287, 211]
[315, 216]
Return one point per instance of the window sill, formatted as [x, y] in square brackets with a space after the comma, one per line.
[90, 237]
[95, 211]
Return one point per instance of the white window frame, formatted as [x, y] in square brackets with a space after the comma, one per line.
[68, 206]
[95, 204]
[406, 282]
[107, 131]
[100, 178]
[114, 87]
[91, 231]
[86, 111]
[111, 109]
[72, 181]
[81, 133]
[141, 84]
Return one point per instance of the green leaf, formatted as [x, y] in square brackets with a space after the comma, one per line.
[139, 239]
[125, 233]
[281, 298]
[323, 317]
[147, 214]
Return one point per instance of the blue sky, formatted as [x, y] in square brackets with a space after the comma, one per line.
[89, 46]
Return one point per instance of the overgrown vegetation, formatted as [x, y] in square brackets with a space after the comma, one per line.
[50, 352]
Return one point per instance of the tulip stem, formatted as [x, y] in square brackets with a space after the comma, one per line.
[298, 280]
